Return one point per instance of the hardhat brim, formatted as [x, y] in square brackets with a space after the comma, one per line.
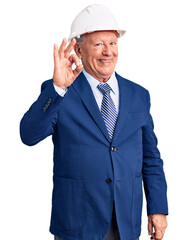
[120, 33]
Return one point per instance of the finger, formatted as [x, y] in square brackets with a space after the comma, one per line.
[159, 234]
[74, 59]
[77, 70]
[56, 56]
[162, 232]
[150, 227]
[69, 48]
[62, 47]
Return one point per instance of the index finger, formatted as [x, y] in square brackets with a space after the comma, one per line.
[62, 47]
[69, 48]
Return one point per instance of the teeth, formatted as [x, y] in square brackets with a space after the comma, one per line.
[103, 60]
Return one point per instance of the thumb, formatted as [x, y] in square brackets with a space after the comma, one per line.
[77, 70]
[150, 226]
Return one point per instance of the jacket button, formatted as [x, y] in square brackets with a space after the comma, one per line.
[49, 100]
[108, 180]
[113, 149]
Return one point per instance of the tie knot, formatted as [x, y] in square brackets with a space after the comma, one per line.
[104, 88]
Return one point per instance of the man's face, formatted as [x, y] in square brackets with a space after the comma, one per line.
[99, 54]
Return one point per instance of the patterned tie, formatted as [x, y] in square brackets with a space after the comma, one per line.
[108, 108]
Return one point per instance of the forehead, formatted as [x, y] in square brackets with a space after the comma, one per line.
[101, 35]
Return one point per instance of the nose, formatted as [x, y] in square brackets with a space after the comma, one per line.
[107, 50]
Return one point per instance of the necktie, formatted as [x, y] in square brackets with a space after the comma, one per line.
[108, 109]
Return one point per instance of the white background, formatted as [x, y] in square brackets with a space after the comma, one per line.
[152, 53]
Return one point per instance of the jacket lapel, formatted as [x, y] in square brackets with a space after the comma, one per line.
[82, 87]
[84, 90]
[125, 96]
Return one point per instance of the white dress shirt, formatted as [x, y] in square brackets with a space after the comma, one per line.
[112, 81]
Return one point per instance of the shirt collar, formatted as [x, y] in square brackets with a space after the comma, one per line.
[112, 81]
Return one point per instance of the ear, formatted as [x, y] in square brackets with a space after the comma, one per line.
[77, 49]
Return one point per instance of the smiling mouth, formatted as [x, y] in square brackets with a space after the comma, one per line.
[104, 60]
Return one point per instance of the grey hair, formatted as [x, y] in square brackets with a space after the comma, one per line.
[80, 39]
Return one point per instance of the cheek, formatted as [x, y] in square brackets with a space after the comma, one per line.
[90, 61]
[116, 53]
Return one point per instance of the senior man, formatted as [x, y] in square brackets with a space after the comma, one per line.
[104, 143]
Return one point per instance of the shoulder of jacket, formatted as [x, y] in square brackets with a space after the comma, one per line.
[136, 87]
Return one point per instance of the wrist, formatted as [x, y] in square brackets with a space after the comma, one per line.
[59, 86]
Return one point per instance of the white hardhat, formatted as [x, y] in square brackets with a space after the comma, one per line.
[95, 17]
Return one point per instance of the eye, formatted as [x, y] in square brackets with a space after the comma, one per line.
[98, 44]
[113, 43]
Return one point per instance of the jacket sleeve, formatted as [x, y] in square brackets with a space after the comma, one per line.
[40, 120]
[153, 175]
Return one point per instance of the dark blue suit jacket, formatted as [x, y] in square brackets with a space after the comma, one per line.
[89, 169]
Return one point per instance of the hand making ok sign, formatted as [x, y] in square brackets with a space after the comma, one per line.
[64, 75]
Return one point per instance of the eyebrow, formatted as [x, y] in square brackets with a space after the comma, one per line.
[100, 40]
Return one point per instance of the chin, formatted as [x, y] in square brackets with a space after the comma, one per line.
[106, 73]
